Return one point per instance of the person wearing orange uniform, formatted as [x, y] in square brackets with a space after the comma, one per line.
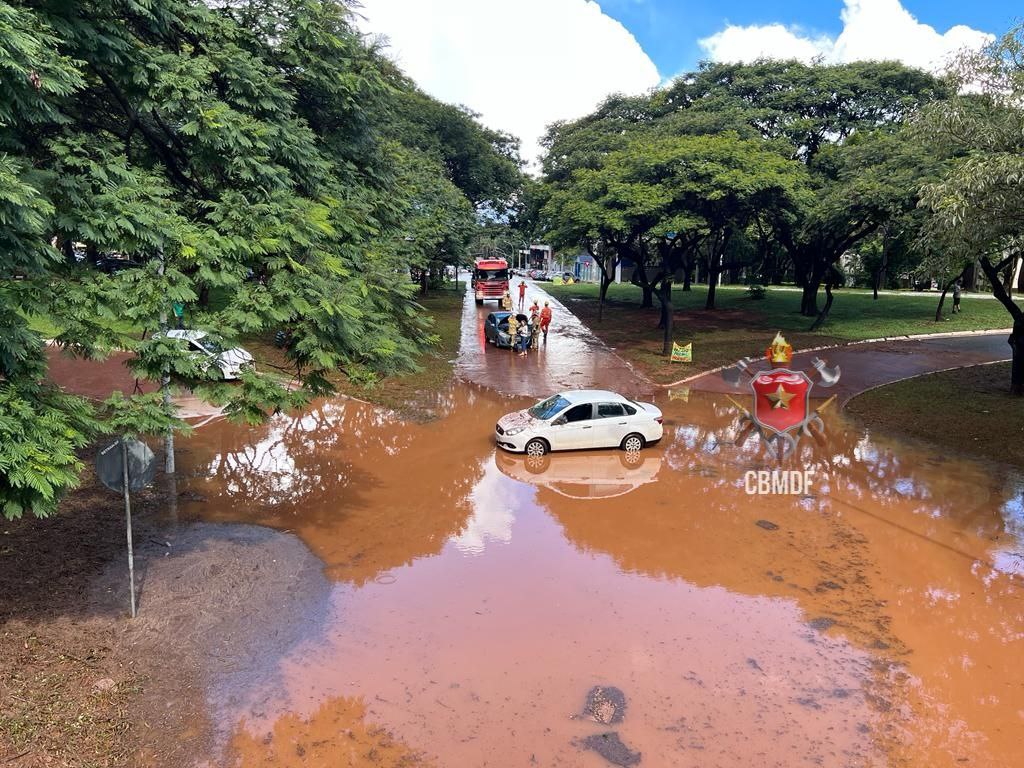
[545, 320]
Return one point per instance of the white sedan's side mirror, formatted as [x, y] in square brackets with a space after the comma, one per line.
[559, 421]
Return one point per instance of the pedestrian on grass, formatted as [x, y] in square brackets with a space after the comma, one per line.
[522, 293]
[545, 321]
[956, 297]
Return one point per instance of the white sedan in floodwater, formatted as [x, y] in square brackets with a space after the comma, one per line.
[585, 418]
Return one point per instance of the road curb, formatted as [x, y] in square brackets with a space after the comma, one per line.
[844, 345]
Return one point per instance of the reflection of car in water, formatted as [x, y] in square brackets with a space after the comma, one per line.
[583, 418]
[582, 475]
[496, 328]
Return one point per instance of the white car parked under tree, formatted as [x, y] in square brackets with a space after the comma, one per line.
[586, 418]
[230, 362]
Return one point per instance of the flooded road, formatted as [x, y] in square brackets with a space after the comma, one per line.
[475, 597]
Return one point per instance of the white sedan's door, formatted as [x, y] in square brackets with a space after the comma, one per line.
[573, 429]
[611, 425]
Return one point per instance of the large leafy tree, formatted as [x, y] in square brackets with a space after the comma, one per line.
[837, 121]
[978, 206]
[660, 199]
[242, 154]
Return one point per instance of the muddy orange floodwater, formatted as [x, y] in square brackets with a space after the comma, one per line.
[476, 599]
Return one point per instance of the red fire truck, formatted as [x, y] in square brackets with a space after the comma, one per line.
[490, 279]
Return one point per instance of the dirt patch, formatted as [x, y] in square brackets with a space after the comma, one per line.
[966, 411]
[83, 685]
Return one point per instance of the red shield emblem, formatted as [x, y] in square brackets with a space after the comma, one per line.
[781, 399]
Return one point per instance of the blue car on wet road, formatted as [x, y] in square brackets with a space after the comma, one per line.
[496, 328]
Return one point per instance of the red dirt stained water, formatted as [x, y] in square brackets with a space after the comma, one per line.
[478, 596]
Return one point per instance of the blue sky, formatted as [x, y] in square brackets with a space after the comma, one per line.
[669, 30]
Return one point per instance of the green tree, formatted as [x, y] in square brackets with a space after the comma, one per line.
[242, 155]
[978, 206]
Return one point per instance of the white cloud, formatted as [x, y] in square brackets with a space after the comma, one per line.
[521, 64]
[736, 43]
[872, 30]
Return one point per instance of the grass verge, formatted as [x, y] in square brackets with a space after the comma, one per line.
[743, 326]
[964, 411]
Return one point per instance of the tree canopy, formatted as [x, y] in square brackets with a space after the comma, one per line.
[257, 162]
[836, 127]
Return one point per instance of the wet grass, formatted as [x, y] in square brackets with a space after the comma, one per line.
[744, 326]
[966, 411]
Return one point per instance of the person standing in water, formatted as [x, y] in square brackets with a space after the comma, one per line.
[524, 339]
[522, 294]
[534, 323]
[513, 331]
[545, 321]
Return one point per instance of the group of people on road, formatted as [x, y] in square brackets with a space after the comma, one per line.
[524, 334]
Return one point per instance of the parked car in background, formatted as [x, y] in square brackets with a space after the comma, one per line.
[112, 263]
[586, 418]
[496, 328]
[230, 362]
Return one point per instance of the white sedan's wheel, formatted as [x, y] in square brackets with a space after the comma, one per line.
[632, 443]
[536, 447]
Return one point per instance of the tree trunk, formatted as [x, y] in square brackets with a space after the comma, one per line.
[712, 283]
[1016, 342]
[1016, 339]
[664, 291]
[820, 319]
[809, 298]
[665, 298]
[687, 276]
[606, 280]
[648, 299]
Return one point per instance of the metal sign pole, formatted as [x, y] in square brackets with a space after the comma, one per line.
[128, 524]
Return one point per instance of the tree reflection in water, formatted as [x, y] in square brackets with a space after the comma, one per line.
[366, 491]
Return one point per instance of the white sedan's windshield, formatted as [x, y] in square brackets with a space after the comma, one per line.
[548, 408]
[208, 345]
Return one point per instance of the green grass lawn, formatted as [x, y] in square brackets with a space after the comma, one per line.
[743, 326]
[967, 411]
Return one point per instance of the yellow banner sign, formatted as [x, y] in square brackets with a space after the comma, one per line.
[682, 353]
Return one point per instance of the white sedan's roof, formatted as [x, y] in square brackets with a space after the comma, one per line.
[593, 395]
[189, 335]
